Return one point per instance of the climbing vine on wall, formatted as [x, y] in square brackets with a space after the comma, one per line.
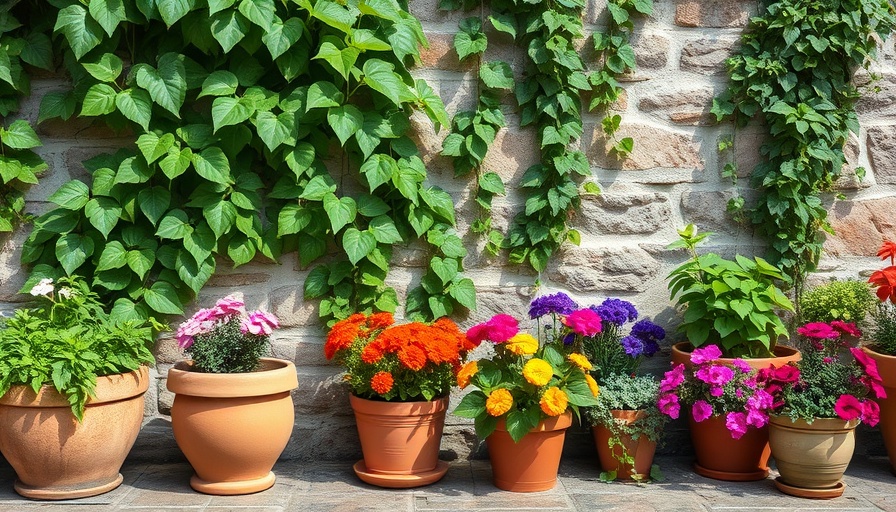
[794, 69]
[261, 128]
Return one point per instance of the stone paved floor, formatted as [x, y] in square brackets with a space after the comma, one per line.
[156, 478]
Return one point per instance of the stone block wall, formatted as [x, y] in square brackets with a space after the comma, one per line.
[672, 178]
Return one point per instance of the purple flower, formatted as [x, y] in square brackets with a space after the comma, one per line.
[558, 303]
[705, 354]
[569, 339]
[259, 323]
[648, 331]
[651, 347]
[701, 410]
[616, 311]
[736, 422]
[668, 405]
[633, 345]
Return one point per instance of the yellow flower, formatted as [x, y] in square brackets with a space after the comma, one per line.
[522, 344]
[466, 373]
[538, 371]
[592, 385]
[580, 361]
[498, 402]
[554, 401]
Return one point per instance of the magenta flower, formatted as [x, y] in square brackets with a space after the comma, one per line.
[701, 410]
[870, 412]
[477, 334]
[229, 306]
[736, 423]
[584, 322]
[819, 331]
[259, 323]
[205, 315]
[848, 408]
[867, 364]
[741, 365]
[672, 379]
[502, 327]
[705, 354]
[756, 418]
[715, 374]
[847, 328]
[668, 405]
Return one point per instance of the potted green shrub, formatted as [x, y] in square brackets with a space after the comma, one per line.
[845, 301]
[72, 380]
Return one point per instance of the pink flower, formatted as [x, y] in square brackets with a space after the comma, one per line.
[868, 364]
[259, 323]
[847, 328]
[717, 391]
[848, 407]
[736, 422]
[705, 354]
[205, 315]
[756, 418]
[584, 322]
[760, 400]
[477, 334]
[502, 328]
[742, 365]
[701, 410]
[672, 379]
[668, 405]
[876, 386]
[229, 306]
[870, 412]
[818, 330]
[715, 374]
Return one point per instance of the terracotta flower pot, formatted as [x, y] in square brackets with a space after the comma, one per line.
[54, 456]
[886, 365]
[233, 426]
[400, 441]
[531, 464]
[641, 450]
[812, 457]
[718, 455]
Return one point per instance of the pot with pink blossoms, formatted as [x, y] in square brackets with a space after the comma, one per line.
[727, 411]
[222, 391]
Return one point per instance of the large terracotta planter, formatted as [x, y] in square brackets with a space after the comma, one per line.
[233, 426]
[531, 464]
[56, 457]
[886, 365]
[812, 457]
[641, 450]
[400, 441]
[718, 455]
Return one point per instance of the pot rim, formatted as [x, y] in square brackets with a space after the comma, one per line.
[109, 388]
[817, 423]
[397, 408]
[780, 351]
[274, 376]
[560, 422]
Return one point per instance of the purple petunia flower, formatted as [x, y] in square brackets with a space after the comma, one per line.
[616, 311]
[633, 346]
[648, 331]
[558, 303]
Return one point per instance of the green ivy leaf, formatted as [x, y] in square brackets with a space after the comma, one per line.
[274, 130]
[212, 164]
[371, 206]
[345, 121]
[81, 31]
[114, 256]
[133, 170]
[470, 40]
[497, 75]
[381, 77]
[316, 284]
[173, 10]
[56, 104]
[154, 202]
[19, 135]
[259, 12]
[341, 59]
[440, 201]
[141, 261]
[175, 225]
[136, 105]
[162, 298]
[103, 213]
[154, 147]
[341, 210]
[220, 217]
[282, 35]
[99, 100]
[383, 229]
[504, 23]
[219, 83]
[230, 111]
[379, 169]
[71, 196]
[445, 269]
[366, 40]
[323, 95]
[37, 50]
[216, 6]
[108, 13]
[318, 188]
[106, 68]
[357, 244]
[176, 162]
[333, 14]
[167, 85]
[229, 28]
[72, 250]
[464, 292]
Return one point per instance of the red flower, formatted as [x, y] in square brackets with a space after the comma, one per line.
[848, 408]
[888, 250]
[885, 281]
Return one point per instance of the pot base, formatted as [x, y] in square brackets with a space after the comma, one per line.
[233, 488]
[728, 476]
[817, 494]
[66, 493]
[400, 481]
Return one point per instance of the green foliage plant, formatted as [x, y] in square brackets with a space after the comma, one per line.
[262, 128]
[794, 71]
[68, 340]
[882, 336]
[631, 393]
[849, 301]
[734, 304]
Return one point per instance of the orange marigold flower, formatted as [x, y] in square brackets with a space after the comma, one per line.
[581, 361]
[554, 401]
[592, 385]
[412, 357]
[343, 334]
[382, 382]
[498, 402]
[466, 373]
[380, 321]
[522, 344]
[372, 353]
[538, 371]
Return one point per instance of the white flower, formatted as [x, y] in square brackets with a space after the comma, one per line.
[66, 293]
[43, 287]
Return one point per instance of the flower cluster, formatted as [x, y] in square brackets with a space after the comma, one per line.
[614, 352]
[224, 339]
[826, 383]
[884, 280]
[406, 362]
[712, 388]
[528, 378]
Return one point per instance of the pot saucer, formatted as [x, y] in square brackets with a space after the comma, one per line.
[818, 494]
[730, 476]
[400, 481]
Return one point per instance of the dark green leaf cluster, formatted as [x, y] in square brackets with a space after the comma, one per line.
[794, 69]
[262, 128]
[67, 341]
[732, 304]
[227, 350]
[849, 301]
[883, 333]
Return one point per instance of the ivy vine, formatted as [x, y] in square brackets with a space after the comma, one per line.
[794, 70]
[262, 128]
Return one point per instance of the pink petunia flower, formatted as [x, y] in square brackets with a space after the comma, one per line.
[477, 334]
[229, 306]
[848, 408]
[672, 379]
[259, 323]
[701, 410]
[847, 328]
[819, 331]
[756, 418]
[715, 374]
[870, 412]
[584, 322]
[741, 365]
[736, 422]
[668, 404]
[705, 354]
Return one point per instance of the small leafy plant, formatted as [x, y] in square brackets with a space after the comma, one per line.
[67, 341]
[223, 339]
[732, 304]
[884, 333]
[401, 363]
[848, 301]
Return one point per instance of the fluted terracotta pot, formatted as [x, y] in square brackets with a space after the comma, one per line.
[718, 455]
[400, 441]
[56, 457]
[886, 366]
[531, 464]
[812, 457]
[641, 450]
[232, 427]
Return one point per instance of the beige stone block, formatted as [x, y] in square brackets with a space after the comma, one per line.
[441, 55]
[684, 105]
[12, 275]
[623, 213]
[620, 268]
[427, 11]
[508, 299]
[707, 209]
[714, 13]
[514, 150]
[290, 307]
[707, 55]
[651, 50]
[654, 147]
[861, 226]
[238, 279]
[878, 101]
[166, 349]
[881, 144]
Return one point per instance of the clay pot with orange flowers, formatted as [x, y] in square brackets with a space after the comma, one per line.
[527, 391]
[399, 377]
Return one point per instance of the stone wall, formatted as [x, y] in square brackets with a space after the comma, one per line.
[671, 178]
